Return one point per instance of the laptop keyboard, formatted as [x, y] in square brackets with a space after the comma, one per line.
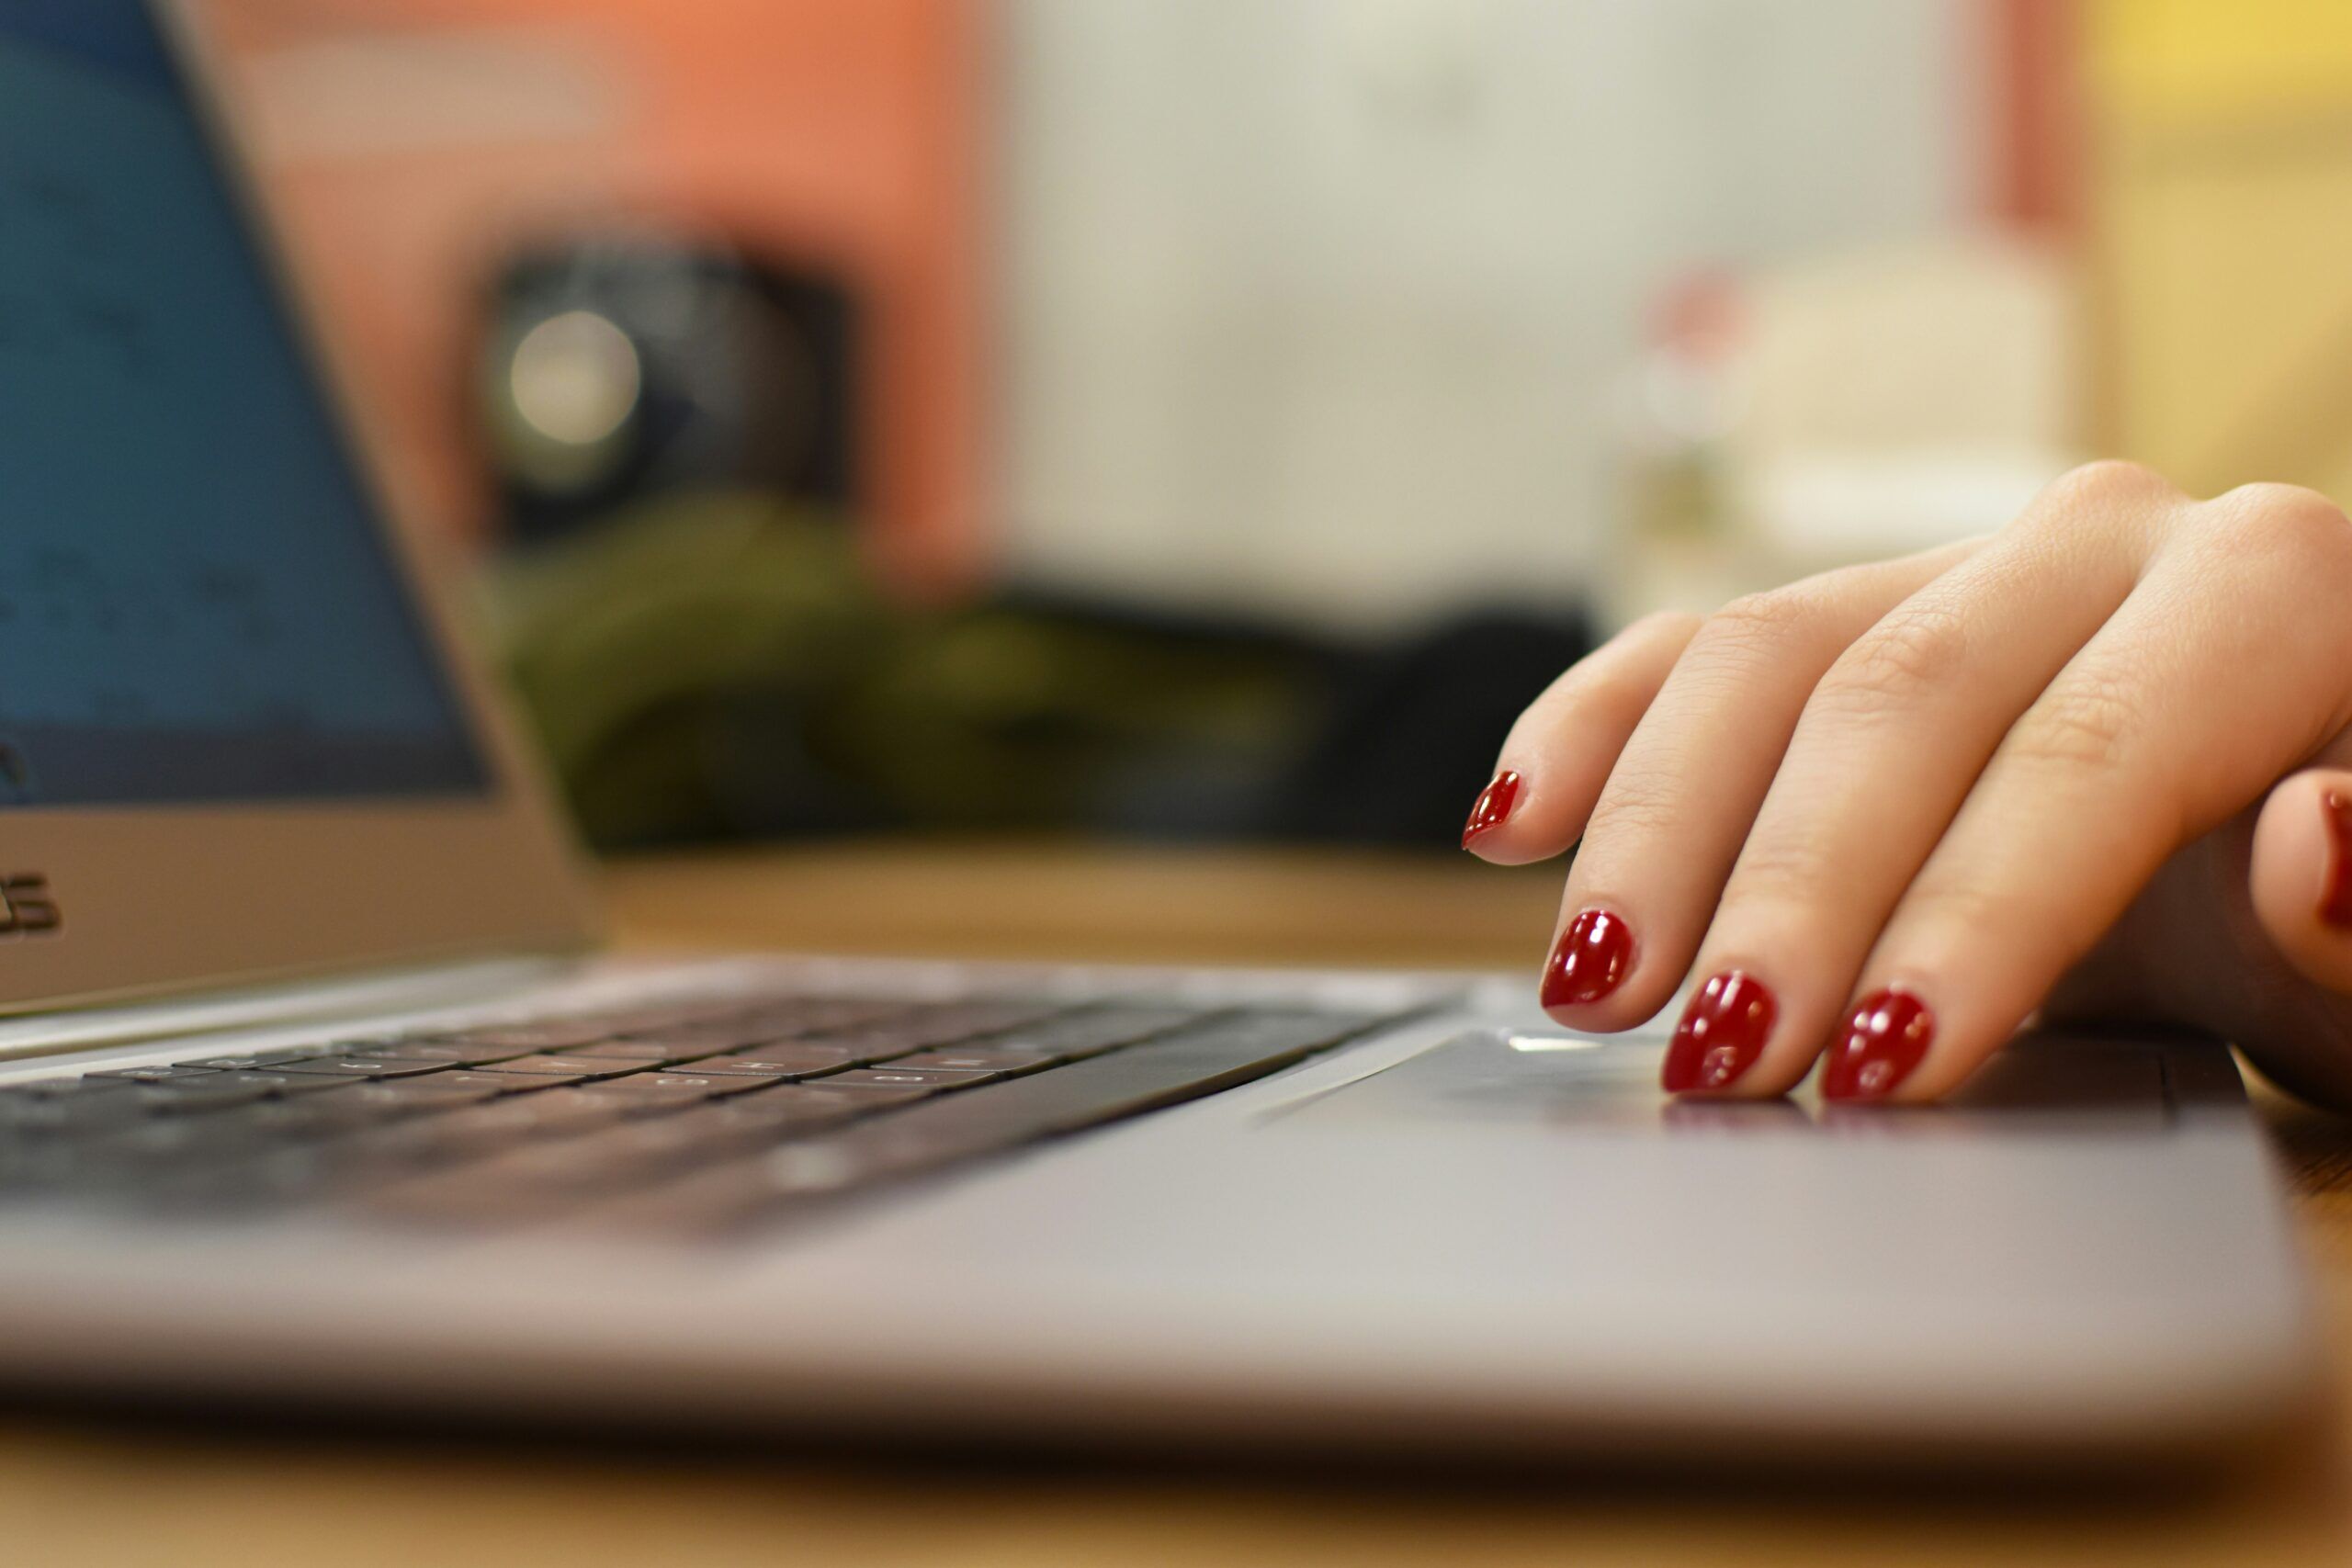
[677, 1120]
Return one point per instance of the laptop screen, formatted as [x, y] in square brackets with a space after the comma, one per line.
[196, 601]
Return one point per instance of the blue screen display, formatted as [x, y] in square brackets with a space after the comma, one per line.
[195, 599]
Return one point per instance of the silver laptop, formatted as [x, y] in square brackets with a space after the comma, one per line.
[312, 1088]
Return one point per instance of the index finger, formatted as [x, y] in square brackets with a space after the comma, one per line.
[1559, 752]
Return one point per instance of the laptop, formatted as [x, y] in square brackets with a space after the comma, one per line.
[314, 1088]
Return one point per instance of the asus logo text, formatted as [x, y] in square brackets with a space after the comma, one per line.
[26, 907]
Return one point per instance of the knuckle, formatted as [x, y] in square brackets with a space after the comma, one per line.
[2290, 503]
[1914, 651]
[1612, 695]
[2087, 723]
[1972, 904]
[1755, 627]
[1952, 912]
[1784, 868]
[1638, 807]
[1612, 682]
[2300, 525]
[1663, 624]
[2112, 481]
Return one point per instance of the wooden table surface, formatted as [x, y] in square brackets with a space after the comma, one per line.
[79, 1487]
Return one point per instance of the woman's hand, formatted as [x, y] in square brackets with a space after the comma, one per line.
[2096, 764]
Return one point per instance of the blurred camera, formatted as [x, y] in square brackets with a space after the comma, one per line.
[617, 369]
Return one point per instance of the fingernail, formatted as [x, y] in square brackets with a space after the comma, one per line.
[1885, 1040]
[1592, 956]
[1492, 807]
[1722, 1033]
[2335, 900]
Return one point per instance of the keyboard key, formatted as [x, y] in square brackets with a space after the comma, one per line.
[549, 1110]
[646, 1093]
[263, 1183]
[418, 1048]
[61, 1088]
[985, 1016]
[477, 1196]
[362, 1066]
[374, 1045]
[976, 1059]
[804, 1015]
[806, 1104]
[1090, 1033]
[148, 1075]
[259, 1058]
[217, 1091]
[621, 1021]
[449, 1053]
[727, 1197]
[274, 1122]
[568, 1164]
[535, 1179]
[364, 1158]
[786, 1061]
[562, 1069]
[401, 1096]
[165, 1139]
[466, 1133]
[44, 1109]
[708, 1039]
[524, 1039]
[742, 1074]
[166, 1160]
[634, 1146]
[940, 1024]
[935, 1079]
[648, 1151]
[622, 1051]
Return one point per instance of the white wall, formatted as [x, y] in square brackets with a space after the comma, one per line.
[1322, 304]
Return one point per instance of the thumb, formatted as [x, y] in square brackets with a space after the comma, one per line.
[2303, 874]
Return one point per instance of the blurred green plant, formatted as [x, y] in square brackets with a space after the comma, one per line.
[723, 666]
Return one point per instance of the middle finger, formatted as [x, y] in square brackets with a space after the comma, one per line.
[1888, 747]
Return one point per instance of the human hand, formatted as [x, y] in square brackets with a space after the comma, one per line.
[2094, 764]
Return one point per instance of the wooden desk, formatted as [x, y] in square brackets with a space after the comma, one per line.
[79, 1489]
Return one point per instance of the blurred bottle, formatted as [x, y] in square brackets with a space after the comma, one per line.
[1681, 527]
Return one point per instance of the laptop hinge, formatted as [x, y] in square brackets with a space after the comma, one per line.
[313, 1001]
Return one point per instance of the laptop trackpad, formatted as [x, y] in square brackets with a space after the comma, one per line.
[2043, 1079]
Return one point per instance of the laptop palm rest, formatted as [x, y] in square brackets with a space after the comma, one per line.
[2046, 1082]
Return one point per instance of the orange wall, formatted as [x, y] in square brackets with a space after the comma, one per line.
[2037, 114]
[835, 129]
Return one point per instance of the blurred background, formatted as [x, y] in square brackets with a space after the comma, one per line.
[1215, 418]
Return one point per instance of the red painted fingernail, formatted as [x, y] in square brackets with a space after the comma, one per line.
[1492, 807]
[1885, 1040]
[2335, 901]
[1722, 1033]
[1592, 956]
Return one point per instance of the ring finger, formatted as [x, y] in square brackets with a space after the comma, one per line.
[1888, 747]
